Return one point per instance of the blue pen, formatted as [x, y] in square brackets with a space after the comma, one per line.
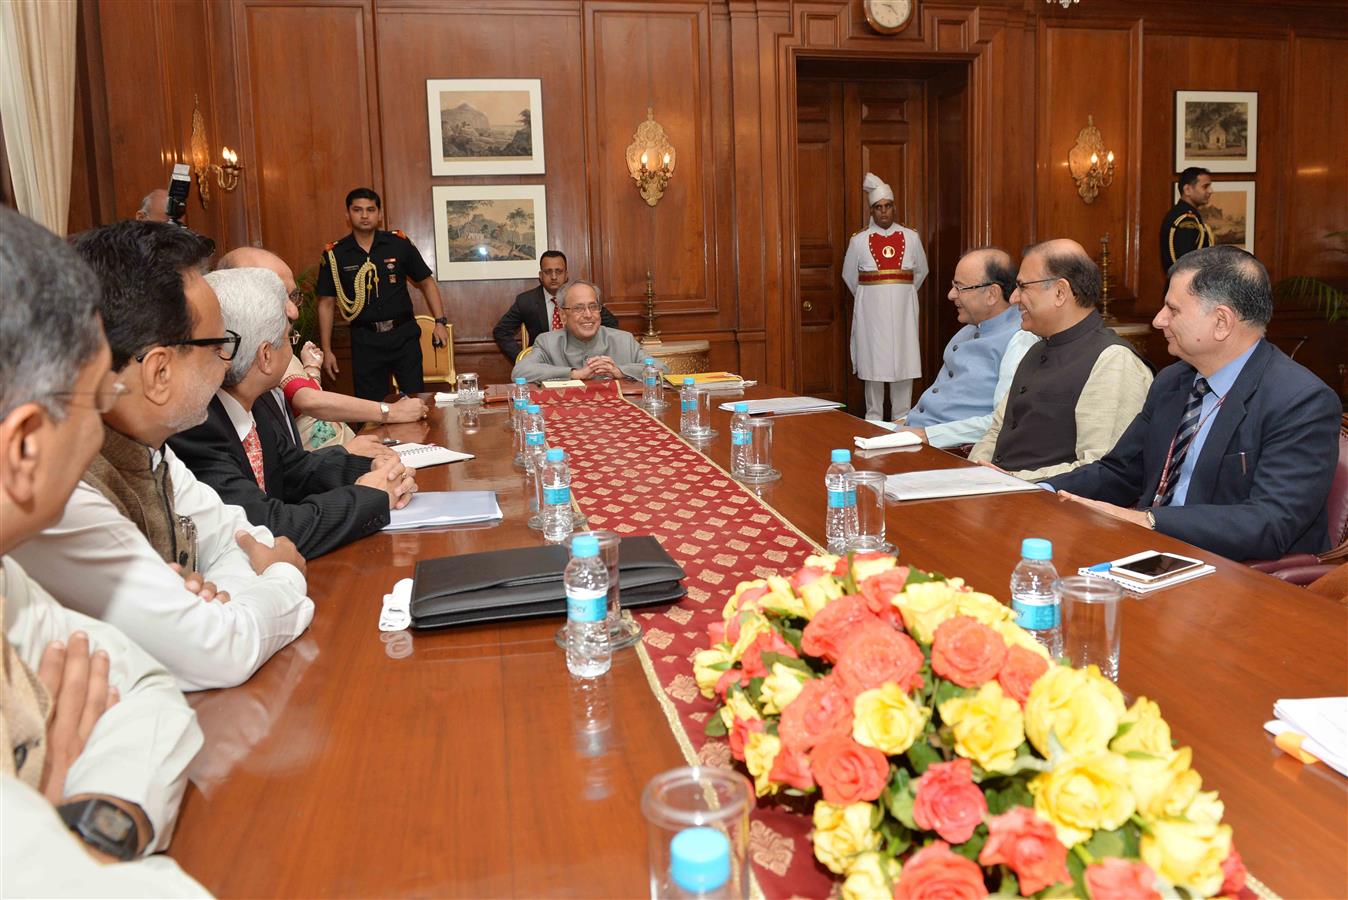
[1100, 567]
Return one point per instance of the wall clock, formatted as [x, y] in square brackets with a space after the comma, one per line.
[889, 16]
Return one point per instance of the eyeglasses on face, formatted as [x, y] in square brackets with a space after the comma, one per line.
[105, 396]
[226, 347]
[583, 308]
[1022, 285]
[961, 288]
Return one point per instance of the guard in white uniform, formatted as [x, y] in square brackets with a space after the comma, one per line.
[884, 268]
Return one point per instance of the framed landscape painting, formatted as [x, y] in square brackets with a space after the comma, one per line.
[485, 232]
[1217, 130]
[485, 126]
[1230, 213]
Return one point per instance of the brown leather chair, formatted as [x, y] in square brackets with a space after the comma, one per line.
[1303, 568]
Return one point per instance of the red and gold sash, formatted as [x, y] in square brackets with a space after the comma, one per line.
[887, 251]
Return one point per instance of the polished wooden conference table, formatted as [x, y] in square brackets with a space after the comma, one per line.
[467, 763]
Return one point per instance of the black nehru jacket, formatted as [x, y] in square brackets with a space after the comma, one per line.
[311, 496]
[397, 261]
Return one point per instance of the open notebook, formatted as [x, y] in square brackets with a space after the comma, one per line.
[419, 456]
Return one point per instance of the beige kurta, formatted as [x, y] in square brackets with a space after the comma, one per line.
[884, 320]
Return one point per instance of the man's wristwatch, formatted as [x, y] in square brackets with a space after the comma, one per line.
[1151, 520]
[103, 825]
[384, 410]
[442, 320]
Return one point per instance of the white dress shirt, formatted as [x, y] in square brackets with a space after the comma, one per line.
[242, 419]
[95, 560]
[968, 431]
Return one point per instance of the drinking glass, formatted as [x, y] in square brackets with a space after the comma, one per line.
[758, 461]
[869, 535]
[702, 430]
[465, 386]
[1092, 623]
[622, 633]
[697, 797]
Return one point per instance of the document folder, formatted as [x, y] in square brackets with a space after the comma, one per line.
[501, 585]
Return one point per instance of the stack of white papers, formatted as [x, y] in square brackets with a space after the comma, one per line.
[436, 508]
[418, 456]
[897, 439]
[784, 405]
[1323, 721]
[966, 481]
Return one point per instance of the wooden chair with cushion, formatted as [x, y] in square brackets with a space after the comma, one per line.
[437, 363]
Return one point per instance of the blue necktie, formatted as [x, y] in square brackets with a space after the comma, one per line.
[1184, 438]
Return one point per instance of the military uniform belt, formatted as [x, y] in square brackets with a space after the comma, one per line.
[886, 276]
[385, 325]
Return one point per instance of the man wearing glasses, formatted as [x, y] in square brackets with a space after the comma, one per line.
[980, 359]
[1078, 387]
[142, 544]
[583, 348]
[320, 500]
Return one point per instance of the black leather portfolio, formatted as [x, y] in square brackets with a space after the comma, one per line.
[526, 583]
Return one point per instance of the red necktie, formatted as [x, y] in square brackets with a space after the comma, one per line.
[253, 447]
[556, 316]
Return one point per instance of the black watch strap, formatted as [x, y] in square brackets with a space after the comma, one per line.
[442, 320]
[102, 825]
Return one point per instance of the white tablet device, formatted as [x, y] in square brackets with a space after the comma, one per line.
[1153, 566]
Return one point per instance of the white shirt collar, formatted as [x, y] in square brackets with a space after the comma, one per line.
[240, 418]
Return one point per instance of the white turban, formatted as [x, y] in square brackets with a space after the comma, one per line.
[876, 190]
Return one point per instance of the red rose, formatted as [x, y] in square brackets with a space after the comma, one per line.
[792, 767]
[715, 633]
[948, 802]
[966, 651]
[833, 626]
[880, 590]
[1233, 874]
[739, 735]
[1119, 879]
[767, 642]
[805, 575]
[848, 772]
[937, 873]
[877, 654]
[1028, 845]
[728, 677]
[822, 709]
[1020, 671]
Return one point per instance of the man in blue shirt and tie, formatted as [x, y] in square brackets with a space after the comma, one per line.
[1235, 448]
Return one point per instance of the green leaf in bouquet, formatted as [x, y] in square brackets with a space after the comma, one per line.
[948, 690]
[771, 659]
[921, 755]
[1124, 728]
[721, 666]
[970, 848]
[791, 636]
[1009, 886]
[1027, 762]
[715, 725]
[755, 690]
[897, 797]
[849, 582]
[1076, 867]
[1141, 754]
[1104, 844]
[897, 837]
[1015, 792]
[917, 576]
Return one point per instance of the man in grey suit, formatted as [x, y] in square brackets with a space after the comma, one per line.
[583, 348]
[537, 310]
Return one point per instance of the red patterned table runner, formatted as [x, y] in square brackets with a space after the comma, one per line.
[632, 475]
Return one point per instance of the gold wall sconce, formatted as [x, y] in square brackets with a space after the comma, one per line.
[1091, 165]
[226, 173]
[650, 159]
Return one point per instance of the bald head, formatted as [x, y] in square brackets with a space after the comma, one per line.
[257, 258]
[154, 207]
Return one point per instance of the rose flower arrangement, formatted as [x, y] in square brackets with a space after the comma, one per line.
[946, 754]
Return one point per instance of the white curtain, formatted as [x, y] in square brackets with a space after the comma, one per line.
[37, 104]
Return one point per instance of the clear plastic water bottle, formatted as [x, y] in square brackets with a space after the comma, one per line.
[740, 439]
[1032, 595]
[557, 522]
[699, 864]
[535, 446]
[841, 518]
[688, 424]
[652, 393]
[588, 651]
[519, 402]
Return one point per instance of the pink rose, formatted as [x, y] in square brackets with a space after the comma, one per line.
[728, 677]
[792, 767]
[966, 651]
[877, 654]
[880, 590]
[1028, 845]
[1233, 874]
[739, 735]
[848, 772]
[822, 709]
[937, 873]
[948, 802]
[715, 633]
[1020, 671]
[806, 575]
[767, 642]
[833, 626]
[1119, 879]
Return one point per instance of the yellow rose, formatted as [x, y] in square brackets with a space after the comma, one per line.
[925, 606]
[781, 598]
[842, 832]
[752, 624]
[870, 876]
[1084, 793]
[1148, 733]
[983, 607]
[1187, 854]
[825, 561]
[820, 593]
[704, 673]
[865, 568]
[732, 606]
[1078, 706]
[887, 719]
[780, 687]
[760, 751]
[1206, 807]
[1164, 785]
[1015, 636]
[988, 727]
[738, 706]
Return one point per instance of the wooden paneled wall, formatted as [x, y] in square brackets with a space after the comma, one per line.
[322, 95]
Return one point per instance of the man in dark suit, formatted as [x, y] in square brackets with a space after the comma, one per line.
[320, 500]
[1235, 448]
[537, 310]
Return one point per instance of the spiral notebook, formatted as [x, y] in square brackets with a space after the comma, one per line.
[419, 456]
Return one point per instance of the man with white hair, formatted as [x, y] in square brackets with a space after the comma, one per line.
[883, 268]
[320, 500]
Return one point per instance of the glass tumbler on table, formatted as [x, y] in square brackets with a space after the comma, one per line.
[1092, 622]
[466, 390]
[869, 533]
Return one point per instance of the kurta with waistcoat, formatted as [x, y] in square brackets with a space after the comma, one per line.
[883, 269]
[966, 384]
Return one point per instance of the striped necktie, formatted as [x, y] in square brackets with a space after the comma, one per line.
[1184, 438]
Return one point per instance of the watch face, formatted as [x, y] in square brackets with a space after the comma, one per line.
[111, 822]
[889, 13]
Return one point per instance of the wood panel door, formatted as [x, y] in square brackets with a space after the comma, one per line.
[845, 129]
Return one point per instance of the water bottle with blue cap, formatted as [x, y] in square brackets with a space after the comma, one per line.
[652, 392]
[557, 521]
[1032, 595]
[588, 651]
[840, 520]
